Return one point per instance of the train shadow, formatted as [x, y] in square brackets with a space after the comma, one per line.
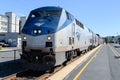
[9, 67]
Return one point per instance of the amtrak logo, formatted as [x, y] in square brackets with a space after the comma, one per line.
[38, 24]
[78, 35]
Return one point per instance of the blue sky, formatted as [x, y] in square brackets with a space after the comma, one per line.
[101, 16]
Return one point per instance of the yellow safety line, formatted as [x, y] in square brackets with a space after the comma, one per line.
[85, 66]
[114, 51]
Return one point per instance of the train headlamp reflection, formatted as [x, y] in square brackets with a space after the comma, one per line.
[49, 38]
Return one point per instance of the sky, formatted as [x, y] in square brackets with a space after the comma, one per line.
[101, 16]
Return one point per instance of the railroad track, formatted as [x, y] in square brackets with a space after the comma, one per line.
[36, 75]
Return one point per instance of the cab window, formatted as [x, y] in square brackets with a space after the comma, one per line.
[53, 13]
[36, 14]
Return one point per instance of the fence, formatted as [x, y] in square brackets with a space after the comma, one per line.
[9, 55]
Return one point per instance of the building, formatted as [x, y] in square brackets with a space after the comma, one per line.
[3, 24]
[117, 39]
[22, 22]
[9, 23]
[10, 27]
[13, 22]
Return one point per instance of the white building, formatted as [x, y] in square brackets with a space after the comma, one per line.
[13, 22]
[3, 24]
[9, 23]
[10, 27]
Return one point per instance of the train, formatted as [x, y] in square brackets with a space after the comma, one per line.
[51, 36]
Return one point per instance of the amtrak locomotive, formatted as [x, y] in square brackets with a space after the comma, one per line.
[51, 36]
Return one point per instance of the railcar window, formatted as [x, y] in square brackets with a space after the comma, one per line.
[79, 24]
[70, 41]
[69, 16]
[53, 13]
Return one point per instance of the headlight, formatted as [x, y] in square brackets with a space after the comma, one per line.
[35, 31]
[39, 31]
[49, 38]
[24, 37]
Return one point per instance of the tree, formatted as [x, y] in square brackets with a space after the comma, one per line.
[107, 39]
[113, 37]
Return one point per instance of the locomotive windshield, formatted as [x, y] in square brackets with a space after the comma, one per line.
[48, 13]
[53, 13]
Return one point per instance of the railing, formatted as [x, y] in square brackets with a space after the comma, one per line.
[10, 54]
